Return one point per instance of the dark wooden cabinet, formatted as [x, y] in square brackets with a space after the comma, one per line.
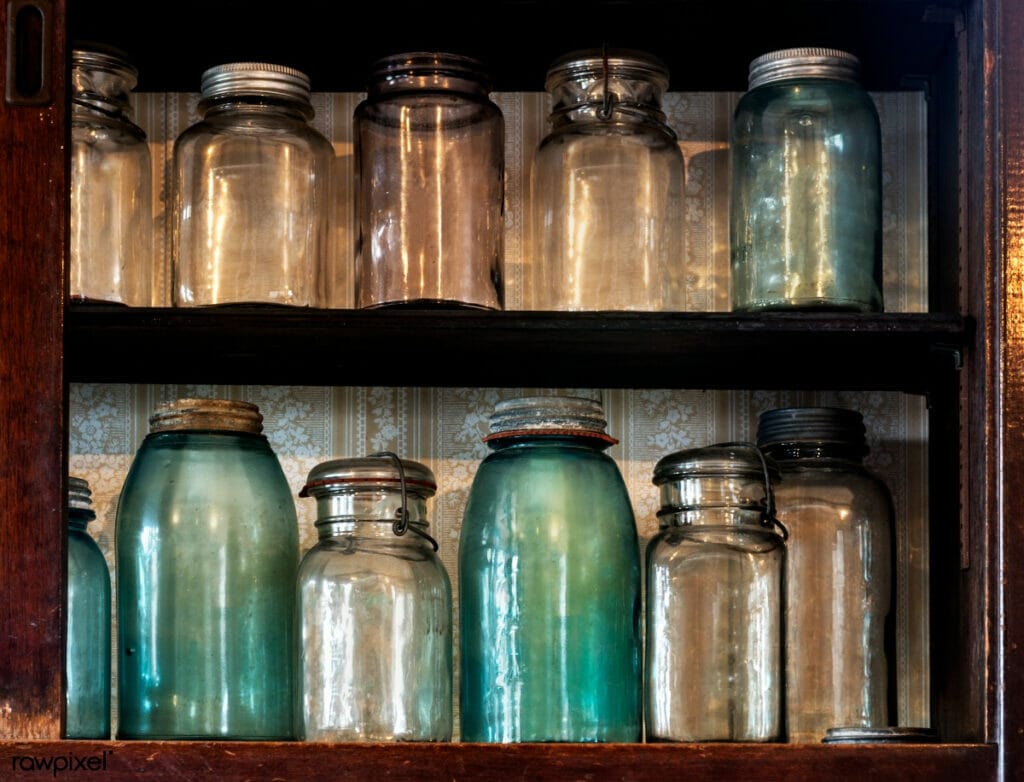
[964, 355]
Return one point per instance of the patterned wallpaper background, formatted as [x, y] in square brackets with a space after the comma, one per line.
[443, 427]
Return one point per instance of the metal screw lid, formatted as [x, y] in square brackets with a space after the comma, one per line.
[549, 415]
[226, 415]
[834, 425]
[882, 735]
[255, 79]
[803, 62]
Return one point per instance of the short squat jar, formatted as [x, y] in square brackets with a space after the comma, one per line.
[251, 184]
[88, 623]
[606, 189]
[373, 607]
[806, 196]
[714, 599]
[430, 168]
[549, 582]
[207, 555]
[838, 570]
[111, 237]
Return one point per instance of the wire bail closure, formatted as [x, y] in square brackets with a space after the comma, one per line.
[401, 524]
[605, 112]
[768, 518]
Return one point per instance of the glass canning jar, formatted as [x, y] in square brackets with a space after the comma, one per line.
[714, 599]
[430, 168]
[549, 582]
[207, 554]
[373, 608]
[606, 189]
[806, 197]
[111, 212]
[251, 185]
[838, 570]
[87, 693]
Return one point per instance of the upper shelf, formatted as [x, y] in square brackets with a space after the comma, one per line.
[915, 353]
[899, 42]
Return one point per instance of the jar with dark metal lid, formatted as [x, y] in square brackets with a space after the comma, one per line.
[373, 608]
[111, 212]
[606, 189]
[207, 549]
[430, 168]
[838, 570]
[549, 582]
[87, 692]
[251, 184]
[806, 196]
[714, 667]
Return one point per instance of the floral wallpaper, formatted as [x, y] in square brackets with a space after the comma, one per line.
[443, 427]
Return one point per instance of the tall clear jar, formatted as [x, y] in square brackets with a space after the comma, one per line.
[87, 693]
[549, 582]
[373, 608]
[806, 197]
[251, 185]
[207, 554]
[111, 212]
[430, 184]
[838, 570]
[606, 189]
[714, 599]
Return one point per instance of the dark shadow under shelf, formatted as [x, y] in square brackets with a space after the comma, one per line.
[913, 352]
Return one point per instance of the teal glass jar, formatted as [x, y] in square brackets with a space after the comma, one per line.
[207, 555]
[806, 195]
[549, 582]
[88, 623]
[373, 607]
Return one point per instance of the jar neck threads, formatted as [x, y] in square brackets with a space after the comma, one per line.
[223, 415]
[102, 82]
[428, 71]
[80, 511]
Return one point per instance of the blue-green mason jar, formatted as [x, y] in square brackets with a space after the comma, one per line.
[87, 694]
[207, 553]
[549, 582]
[806, 194]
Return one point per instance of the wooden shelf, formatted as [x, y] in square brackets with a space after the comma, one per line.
[288, 346]
[282, 762]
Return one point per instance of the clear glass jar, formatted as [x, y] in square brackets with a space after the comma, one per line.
[111, 238]
[252, 192]
[87, 693]
[714, 599]
[549, 582]
[606, 190]
[207, 554]
[838, 570]
[374, 608]
[430, 168]
[806, 196]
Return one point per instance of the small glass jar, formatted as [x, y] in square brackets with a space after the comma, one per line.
[252, 188]
[88, 623]
[838, 571]
[111, 237]
[430, 167]
[373, 607]
[806, 196]
[714, 599]
[207, 554]
[606, 189]
[549, 582]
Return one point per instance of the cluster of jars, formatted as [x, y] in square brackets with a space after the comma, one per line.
[224, 631]
[251, 188]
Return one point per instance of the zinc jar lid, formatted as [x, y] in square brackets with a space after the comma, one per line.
[227, 415]
[368, 473]
[880, 735]
[549, 415]
[79, 493]
[259, 79]
[803, 62]
[827, 425]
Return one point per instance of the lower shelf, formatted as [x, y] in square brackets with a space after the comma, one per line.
[113, 761]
